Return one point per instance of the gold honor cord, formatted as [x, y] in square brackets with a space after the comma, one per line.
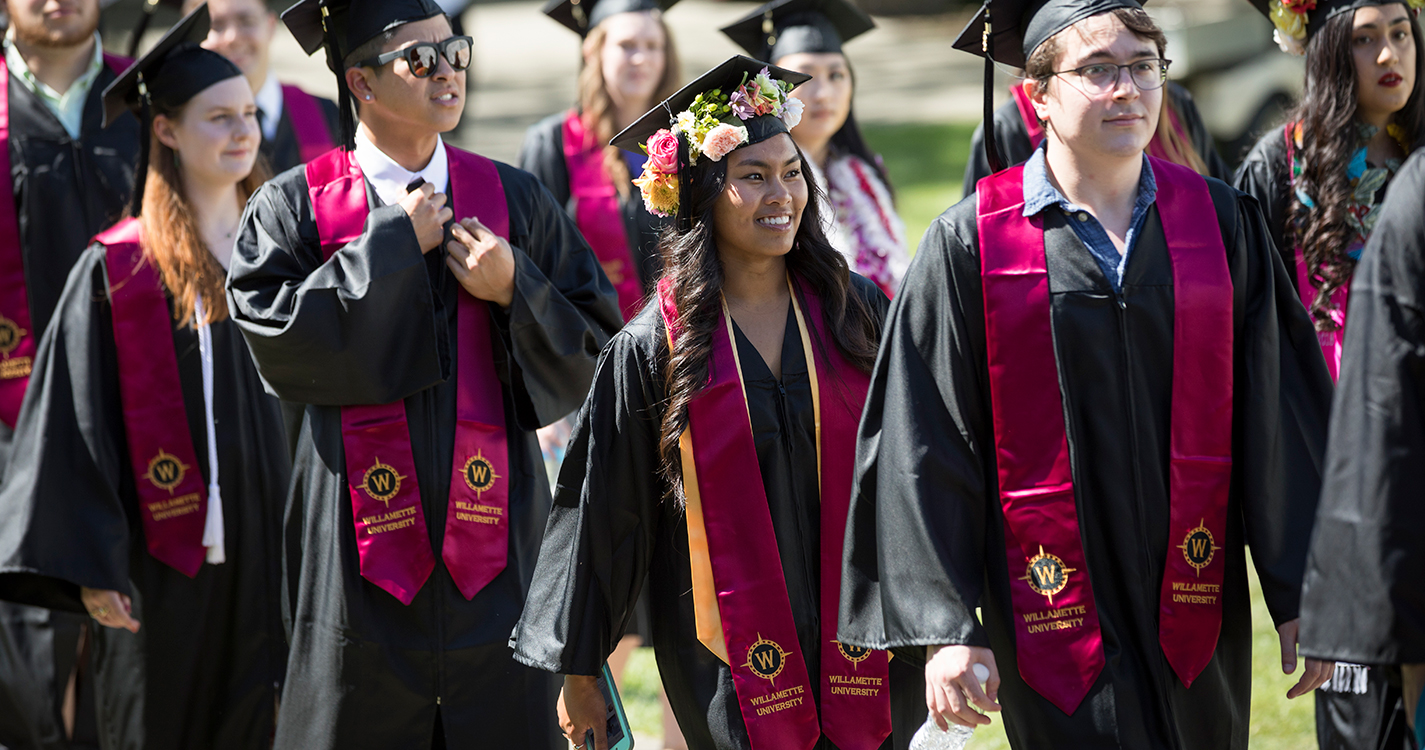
[705, 609]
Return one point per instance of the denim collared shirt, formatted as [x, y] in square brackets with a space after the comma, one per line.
[1040, 193]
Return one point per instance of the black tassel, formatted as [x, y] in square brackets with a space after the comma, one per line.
[149, 8]
[685, 187]
[991, 148]
[145, 144]
[344, 104]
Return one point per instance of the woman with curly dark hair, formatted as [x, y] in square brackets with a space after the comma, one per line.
[714, 451]
[1320, 178]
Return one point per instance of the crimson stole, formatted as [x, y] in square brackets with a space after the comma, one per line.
[391, 538]
[313, 137]
[732, 539]
[17, 335]
[1056, 624]
[598, 214]
[173, 501]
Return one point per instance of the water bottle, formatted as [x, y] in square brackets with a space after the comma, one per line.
[930, 736]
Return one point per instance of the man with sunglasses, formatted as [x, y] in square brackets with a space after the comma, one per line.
[431, 309]
[1095, 385]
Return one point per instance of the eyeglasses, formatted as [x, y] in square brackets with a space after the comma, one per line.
[424, 57]
[1101, 78]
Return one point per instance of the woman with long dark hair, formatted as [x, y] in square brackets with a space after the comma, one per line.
[714, 450]
[806, 36]
[1320, 180]
[628, 63]
[147, 486]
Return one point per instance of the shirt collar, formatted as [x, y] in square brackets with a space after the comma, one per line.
[18, 67]
[269, 101]
[1040, 193]
[390, 179]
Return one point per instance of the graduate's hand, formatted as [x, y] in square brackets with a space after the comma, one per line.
[109, 608]
[482, 261]
[951, 690]
[1317, 672]
[428, 214]
[581, 708]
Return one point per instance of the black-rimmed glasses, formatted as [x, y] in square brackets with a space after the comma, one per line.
[424, 57]
[1101, 78]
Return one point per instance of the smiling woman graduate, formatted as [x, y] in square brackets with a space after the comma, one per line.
[148, 481]
[713, 452]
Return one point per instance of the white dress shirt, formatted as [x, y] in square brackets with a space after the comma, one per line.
[390, 179]
[269, 103]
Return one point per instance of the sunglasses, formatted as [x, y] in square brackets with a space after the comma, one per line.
[424, 57]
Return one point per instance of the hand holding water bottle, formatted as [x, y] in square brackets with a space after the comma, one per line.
[953, 688]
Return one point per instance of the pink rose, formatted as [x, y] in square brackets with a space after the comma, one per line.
[721, 140]
[663, 152]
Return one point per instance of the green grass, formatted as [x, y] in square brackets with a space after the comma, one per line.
[927, 164]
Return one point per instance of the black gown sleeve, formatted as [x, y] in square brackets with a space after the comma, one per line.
[1282, 397]
[361, 328]
[1202, 140]
[65, 520]
[1265, 175]
[600, 536]
[915, 539]
[1363, 599]
[564, 309]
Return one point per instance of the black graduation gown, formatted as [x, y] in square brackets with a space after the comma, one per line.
[374, 326]
[283, 151]
[204, 668]
[1351, 712]
[92, 178]
[926, 539]
[542, 155]
[611, 526]
[1363, 601]
[1014, 147]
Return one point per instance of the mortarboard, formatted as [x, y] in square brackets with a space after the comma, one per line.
[788, 27]
[1295, 24]
[170, 74]
[738, 103]
[1008, 32]
[341, 26]
[582, 15]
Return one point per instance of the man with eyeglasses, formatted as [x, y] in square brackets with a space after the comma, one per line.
[430, 308]
[296, 126]
[1095, 386]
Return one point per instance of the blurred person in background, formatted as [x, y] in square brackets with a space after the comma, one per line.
[148, 481]
[1321, 179]
[69, 176]
[806, 36]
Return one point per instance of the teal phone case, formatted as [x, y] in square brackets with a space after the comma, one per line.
[620, 735]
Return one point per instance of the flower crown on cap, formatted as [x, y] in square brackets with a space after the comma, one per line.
[712, 127]
[1290, 19]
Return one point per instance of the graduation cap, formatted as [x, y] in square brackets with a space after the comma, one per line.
[166, 77]
[740, 93]
[1307, 22]
[341, 26]
[787, 27]
[582, 15]
[1008, 32]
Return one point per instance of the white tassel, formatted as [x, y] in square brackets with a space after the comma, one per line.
[213, 524]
